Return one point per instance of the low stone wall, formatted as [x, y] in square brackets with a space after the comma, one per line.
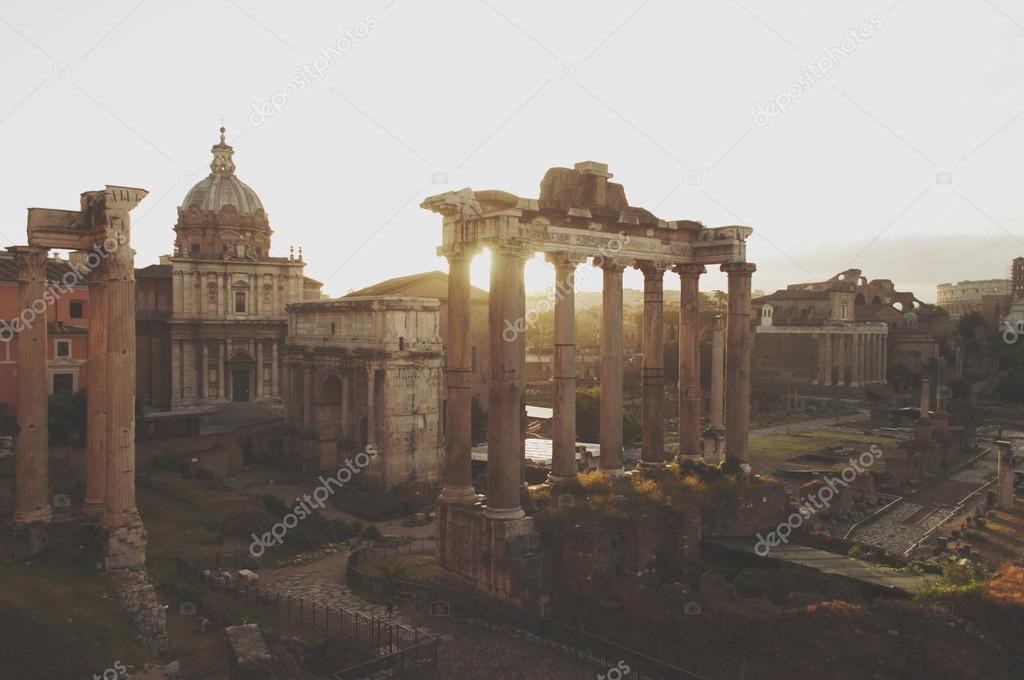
[137, 598]
[757, 509]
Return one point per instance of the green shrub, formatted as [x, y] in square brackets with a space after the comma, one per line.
[275, 506]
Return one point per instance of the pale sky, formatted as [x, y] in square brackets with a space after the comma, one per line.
[491, 93]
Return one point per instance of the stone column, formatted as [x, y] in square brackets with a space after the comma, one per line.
[926, 396]
[652, 452]
[885, 358]
[258, 381]
[718, 372]
[504, 434]
[1004, 476]
[222, 378]
[346, 403]
[228, 388]
[204, 389]
[827, 378]
[96, 417]
[856, 373]
[563, 446]
[371, 405]
[275, 369]
[175, 372]
[690, 400]
[307, 396]
[458, 475]
[737, 378]
[121, 513]
[612, 355]
[31, 448]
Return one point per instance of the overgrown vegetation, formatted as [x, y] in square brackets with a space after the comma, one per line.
[956, 580]
[588, 417]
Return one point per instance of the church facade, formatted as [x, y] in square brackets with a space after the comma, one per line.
[215, 308]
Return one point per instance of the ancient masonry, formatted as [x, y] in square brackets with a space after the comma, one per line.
[489, 542]
[366, 372]
[101, 228]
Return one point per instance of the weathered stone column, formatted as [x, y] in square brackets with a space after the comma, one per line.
[175, 371]
[827, 378]
[204, 389]
[612, 356]
[120, 394]
[275, 369]
[885, 358]
[458, 476]
[31, 447]
[737, 377]
[222, 378]
[504, 428]
[926, 388]
[856, 368]
[652, 452]
[371, 405]
[718, 371]
[563, 446]
[690, 400]
[96, 416]
[258, 378]
[307, 396]
[1004, 476]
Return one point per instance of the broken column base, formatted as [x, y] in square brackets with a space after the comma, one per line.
[137, 598]
[124, 547]
[498, 558]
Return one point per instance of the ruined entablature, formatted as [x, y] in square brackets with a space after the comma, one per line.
[580, 212]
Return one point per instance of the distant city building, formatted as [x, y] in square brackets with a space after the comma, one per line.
[959, 299]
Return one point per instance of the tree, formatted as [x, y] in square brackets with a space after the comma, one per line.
[588, 418]
[968, 325]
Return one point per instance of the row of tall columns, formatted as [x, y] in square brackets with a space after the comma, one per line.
[31, 463]
[862, 354]
[505, 414]
[183, 356]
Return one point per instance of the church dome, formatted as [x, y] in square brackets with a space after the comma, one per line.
[222, 188]
[221, 215]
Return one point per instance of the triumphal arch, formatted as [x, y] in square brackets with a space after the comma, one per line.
[580, 217]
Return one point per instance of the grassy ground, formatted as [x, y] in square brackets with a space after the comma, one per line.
[418, 568]
[58, 621]
[772, 451]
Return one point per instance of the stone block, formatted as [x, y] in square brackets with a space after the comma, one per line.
[250, 656]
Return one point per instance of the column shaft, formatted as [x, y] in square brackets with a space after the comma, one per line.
[307, 397]
[258, 378]
[504, 433]
[563, 448]
[96, 371]
[652, 452]
[31, 448]
[737, 385]
[690, 400]
[204, 389]
[827, 379]
[612, 356]
[458, 474]
[718, 372]
[275, 370]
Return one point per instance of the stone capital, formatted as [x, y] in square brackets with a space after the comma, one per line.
[611, 264]
[564, 260]
[31, 262]
[739, 268]
[459, 251]
[650, 269]
[689, 269]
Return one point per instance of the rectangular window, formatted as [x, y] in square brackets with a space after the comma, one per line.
[63, 383]
[63, 348]
[76, 310]
[239, 302]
